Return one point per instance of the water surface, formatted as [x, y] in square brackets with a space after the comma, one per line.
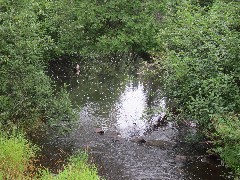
[122, 106]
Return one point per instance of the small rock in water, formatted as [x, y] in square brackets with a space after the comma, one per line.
[113, 134]
[138, 140]
[192, 124]
[162, 121]
[180, 158]
[155, 127]
[205, 160]
[99, 131]
[117, 139]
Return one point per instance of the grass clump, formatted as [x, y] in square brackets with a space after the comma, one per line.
[77, 169]
[15, 156]
[16, 162]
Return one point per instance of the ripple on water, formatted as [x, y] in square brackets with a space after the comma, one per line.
[120, 106]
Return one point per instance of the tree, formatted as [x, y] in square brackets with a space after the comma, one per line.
[201, 70]
[101, 27]
[26, 94]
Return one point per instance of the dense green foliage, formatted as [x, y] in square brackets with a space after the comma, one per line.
[26, 95]
[35, 32]
[227, 137]
[200, 66]
[100, 27]
[203, 59]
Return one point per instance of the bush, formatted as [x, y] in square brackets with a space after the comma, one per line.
[227, 138]
[16, 162]
[15, 156]
[27, 95]
[200, 69]
[97, 28]
[77, 168]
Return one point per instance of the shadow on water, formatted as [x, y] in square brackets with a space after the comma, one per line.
[119, 106]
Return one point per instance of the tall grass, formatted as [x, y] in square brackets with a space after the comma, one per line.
[15, 156]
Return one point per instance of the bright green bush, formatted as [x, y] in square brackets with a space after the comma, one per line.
[77, 168]
[16, 162]
[15, 156]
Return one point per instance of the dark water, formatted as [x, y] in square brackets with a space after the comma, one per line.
[122, 105]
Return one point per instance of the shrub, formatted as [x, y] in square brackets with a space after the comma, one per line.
[77, 168]
[200, 69]
[27, 95]
[227, 138]
[100, 28]
[15, 156]
[16, 162]
[201, 51]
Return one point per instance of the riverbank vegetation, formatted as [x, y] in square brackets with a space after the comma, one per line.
[27, 94]
[193, 48]
[199, 68]
[77, 168]
[17, 158]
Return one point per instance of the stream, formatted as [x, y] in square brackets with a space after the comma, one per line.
[115, 126]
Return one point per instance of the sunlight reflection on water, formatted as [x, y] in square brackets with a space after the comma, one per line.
[130, 110]
[124, 106]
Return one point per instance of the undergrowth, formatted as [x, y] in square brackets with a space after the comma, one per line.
[15, 156]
